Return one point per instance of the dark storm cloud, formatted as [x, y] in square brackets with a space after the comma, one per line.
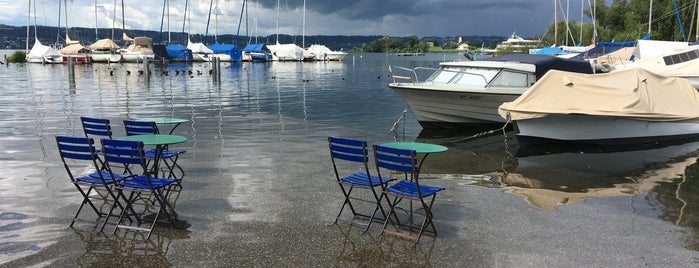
[372, 9]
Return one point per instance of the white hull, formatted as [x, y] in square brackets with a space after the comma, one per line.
[448, 105]
[55, 59]
[105, 57]
[602, 129]
[221, 57]
[198, 57]
[331, 56]
[136, 57]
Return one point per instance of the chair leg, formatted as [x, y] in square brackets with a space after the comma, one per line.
[86, 200]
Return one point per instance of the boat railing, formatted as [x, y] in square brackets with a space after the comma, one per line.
[413, 75]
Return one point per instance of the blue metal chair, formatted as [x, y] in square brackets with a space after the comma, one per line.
[169, 157]
[353, 153]
[146, 193]
[409, 187]
[96, 128]
[74, 152]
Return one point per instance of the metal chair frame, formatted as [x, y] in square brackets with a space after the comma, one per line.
[355, 152]
[406, 162]
[152, 191]
[83, 149]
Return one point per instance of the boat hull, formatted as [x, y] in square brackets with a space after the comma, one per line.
[79, 58]
[136, 57]
[105, 57]
[601, 129]
[445, 107]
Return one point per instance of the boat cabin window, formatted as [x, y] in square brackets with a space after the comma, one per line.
[513, 79]
[464, 76]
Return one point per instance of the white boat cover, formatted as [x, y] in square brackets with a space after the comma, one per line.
[40, 51]
[632, 94]
[287, 51]
[104, 45]
[198, 48]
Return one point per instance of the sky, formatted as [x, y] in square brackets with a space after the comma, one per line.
[441, 18]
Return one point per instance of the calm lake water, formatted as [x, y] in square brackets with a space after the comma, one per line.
[263, 127]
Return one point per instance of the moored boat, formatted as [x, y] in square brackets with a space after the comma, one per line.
[469, 92]
[41, 53]
[324, 53]
[627, 106]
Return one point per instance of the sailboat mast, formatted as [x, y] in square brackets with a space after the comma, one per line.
[277, 21]
[96, 35]
[650, 15]
[29, 12]
[113, 18]
[555, 22]
[123, 23]
[303, 30]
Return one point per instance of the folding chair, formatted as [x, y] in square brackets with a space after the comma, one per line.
[96, 128]
[102, 182]
[146, 194]
[169, 157]
[354, 153]
[409, 187]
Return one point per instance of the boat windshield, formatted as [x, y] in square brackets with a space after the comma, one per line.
[514, 79]
[464, 76]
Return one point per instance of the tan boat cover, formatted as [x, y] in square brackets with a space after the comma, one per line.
[104, 45]
[622, 55]
[141, 44]
[74, 49]
[633, 94]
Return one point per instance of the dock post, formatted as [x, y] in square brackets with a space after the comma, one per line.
[71, 72]
[146, 70]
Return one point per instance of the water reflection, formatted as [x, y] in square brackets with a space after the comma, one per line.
[361, 250]
[128, 249]
[548, 176]
[663, 175]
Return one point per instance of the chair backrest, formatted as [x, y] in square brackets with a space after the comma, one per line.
[402, 160]
[134, 127]
[348, 150]
[123, 152]
[76, 148]
[96, 127]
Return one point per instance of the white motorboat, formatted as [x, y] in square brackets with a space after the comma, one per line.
[469, 92]
[626, 106]
[679, 63]
[323, 53]
[517, 44]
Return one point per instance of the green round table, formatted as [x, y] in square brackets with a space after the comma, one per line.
[419, 148]
[161, 141]
[165, 121]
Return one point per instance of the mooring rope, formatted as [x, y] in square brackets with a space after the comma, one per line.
[395, 125]
[504, 133]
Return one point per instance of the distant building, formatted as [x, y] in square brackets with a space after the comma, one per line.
[430, 44]
[462, 46]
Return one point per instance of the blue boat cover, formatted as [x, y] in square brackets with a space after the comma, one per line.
[178, 52]
[256, 48]
[544, 63]
[550, 51]
[231, 50]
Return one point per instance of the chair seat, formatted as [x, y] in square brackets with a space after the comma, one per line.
[410, 189]
[141, 182]
[94, 177]
[361, 179]
[166, 153]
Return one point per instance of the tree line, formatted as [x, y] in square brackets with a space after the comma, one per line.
[621, 21]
